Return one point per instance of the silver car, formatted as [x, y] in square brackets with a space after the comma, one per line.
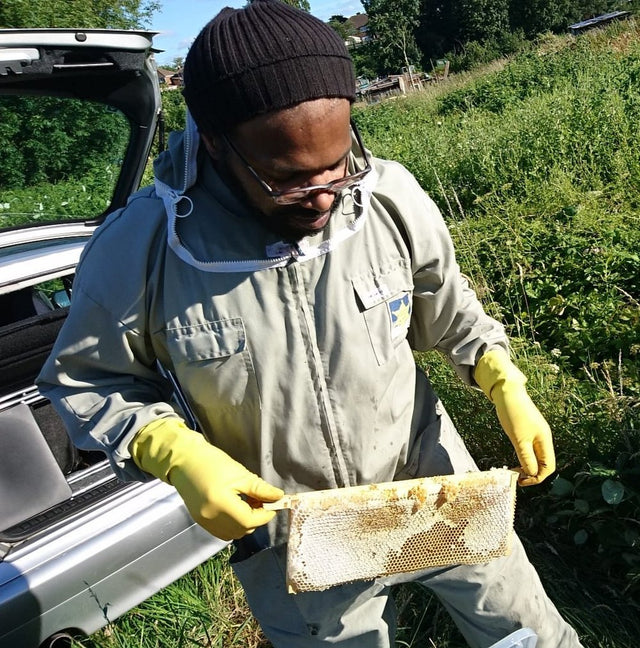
[78, 548]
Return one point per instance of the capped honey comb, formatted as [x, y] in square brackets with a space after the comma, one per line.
[365, 532]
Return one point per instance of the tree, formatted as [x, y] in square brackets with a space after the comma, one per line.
[174, 110]
[365, 61]
[482, 20]
[300, 4]
[117, 14]
[447, 25]
[392, 25]
[176, 64]
[539, 16]
[438, 30]
[343, 26]
[62, 138]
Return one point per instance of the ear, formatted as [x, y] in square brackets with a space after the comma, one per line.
[212, 144]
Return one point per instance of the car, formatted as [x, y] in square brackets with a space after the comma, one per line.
[78, 548]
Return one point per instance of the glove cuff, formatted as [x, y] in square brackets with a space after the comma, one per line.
[496, 371]
[160, 446]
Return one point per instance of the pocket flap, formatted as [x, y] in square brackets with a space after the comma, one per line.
[208, 340]
[373, 289]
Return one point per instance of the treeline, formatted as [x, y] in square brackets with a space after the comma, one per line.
[466, 32]
[114, 14]
[445, 26]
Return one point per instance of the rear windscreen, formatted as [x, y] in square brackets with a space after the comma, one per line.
[61, 158]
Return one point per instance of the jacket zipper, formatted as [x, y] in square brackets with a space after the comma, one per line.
[314, 362]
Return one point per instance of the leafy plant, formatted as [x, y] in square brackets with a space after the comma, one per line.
[60, 163]
[594, 513]
[61, 139]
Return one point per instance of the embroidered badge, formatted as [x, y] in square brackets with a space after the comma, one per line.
[399, 314]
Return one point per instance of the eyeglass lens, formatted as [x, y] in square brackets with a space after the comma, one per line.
[295, 195]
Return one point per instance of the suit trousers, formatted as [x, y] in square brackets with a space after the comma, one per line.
[487, 602]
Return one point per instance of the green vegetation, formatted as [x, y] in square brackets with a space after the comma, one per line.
[393, 24]
[114, 14]
[535, 164]
[466, 32]
[62, 162]
[206, 608]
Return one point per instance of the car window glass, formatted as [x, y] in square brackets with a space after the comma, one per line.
[60, 158]
[39, 299]
[55, 293]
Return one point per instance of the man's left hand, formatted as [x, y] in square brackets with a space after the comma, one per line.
[527, 430]
[523, 423]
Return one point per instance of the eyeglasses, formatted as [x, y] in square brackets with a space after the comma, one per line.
[298, 194]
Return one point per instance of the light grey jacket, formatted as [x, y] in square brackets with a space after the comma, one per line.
[296, 360]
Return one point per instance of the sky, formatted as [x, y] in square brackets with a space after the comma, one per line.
[179, 21]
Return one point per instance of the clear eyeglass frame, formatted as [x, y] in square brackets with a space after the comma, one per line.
[298, 194]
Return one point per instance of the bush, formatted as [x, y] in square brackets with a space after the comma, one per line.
[60, 140]
[474, 53]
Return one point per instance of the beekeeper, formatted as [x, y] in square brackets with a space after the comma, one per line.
[283, 275]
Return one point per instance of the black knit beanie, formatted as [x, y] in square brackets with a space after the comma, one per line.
[264, 57]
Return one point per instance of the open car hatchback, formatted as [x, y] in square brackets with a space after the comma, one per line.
[78, 113]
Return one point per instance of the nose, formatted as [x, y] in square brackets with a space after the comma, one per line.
[320, 201]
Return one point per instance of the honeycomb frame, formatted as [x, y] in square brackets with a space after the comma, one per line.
[365, 532]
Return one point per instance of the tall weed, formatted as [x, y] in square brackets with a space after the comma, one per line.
[206, 608]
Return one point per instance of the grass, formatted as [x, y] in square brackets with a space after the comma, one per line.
[535, 163]
[207, 608]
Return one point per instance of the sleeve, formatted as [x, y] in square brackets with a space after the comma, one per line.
[101, 375]
[446, 312]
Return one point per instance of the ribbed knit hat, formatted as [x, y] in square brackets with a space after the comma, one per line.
[264, 57]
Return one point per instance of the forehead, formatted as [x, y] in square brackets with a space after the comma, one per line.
[311, 134]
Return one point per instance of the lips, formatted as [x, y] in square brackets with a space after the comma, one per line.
[295, 222]
[301, 224]
[316, 222]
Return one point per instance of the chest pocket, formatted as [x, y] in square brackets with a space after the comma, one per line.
[213, 364]
[385, 300]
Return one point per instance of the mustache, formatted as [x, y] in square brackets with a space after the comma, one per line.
[302, 214]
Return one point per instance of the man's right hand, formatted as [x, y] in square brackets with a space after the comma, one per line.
[210, 482]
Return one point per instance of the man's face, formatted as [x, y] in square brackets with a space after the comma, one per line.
[301, 146]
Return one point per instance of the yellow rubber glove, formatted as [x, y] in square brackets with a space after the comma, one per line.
[209, 481]
[527, 429]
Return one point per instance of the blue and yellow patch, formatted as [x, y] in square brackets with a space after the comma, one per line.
[399, 314]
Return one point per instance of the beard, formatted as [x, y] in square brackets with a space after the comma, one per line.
[289, 222]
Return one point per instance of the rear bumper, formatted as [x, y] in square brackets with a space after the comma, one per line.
[95, 567]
